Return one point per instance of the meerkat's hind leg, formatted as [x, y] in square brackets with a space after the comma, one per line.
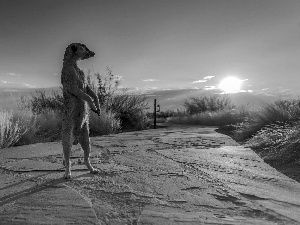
[84, 141]
[76, 133]
[79, 122]
[67, 137]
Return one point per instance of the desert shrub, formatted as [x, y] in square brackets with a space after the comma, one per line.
[38, 117]
[281, 111]
[289, 108]
[216, 118]
[278, 141]
[11, 129]
[196, 105]
[48, 126]
[170, 113]
[29, 123]
[106, 123]
[130, 109]
[214, 110]
[164, 116]
[42, 103]
[105, 85]
[40, 128]
[41, 113]
[273, 131]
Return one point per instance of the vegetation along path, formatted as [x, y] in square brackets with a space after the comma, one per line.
[175, 175]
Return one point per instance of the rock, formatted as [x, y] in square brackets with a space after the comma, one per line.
[54, 204]
[176, 175]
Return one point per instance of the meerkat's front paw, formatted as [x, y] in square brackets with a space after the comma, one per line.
[67, 175]
[76, 141]
[94, 171]
[98, 111]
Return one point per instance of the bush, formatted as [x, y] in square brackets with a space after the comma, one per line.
[40, 128]
[281, 111]
[165, 116]
[105, 85]
[11, 129]
[40, 114]
[217, 118]
[46, 127]
[208, 110]
[42, 103]
[273, 130]
[130, 109]
[278, 141]
[106, 123]
[212, 103]
[169, 113]
[126, 110]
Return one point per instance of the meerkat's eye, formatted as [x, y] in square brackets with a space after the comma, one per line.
[74, 48]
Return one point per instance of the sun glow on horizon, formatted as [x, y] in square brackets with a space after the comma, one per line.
[230, 85]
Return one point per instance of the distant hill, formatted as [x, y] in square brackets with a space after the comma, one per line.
[173, 99]
[168, 99]
[9, 97]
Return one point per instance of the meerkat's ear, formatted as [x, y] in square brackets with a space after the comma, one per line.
[74, 48]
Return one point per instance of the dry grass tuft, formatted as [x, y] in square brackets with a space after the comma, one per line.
[11, 129]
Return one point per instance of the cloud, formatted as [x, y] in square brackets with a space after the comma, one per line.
[208, 77]
[55, 74]
[150, 88]
[170, 99]
[209, 87]
[244, 91]
[8, 85]
[199, 81]
[205, 79]
[6, 82]
[29, 85]
[13, 74]
[150, 80]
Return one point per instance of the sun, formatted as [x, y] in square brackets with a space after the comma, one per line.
[230, 85]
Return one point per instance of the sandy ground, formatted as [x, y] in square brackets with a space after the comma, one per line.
[176, 175]
[285, 165]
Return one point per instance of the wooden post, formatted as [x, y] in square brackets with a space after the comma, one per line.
[154, 113]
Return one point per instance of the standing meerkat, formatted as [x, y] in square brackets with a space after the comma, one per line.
[77, 97]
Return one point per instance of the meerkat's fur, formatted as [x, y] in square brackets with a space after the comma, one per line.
[77, 97]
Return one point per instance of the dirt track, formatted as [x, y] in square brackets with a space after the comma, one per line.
[178, 175]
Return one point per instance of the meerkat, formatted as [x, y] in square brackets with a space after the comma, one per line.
[77, 97]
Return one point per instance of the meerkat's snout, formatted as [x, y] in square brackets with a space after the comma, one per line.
[89, 54]
[92, 54]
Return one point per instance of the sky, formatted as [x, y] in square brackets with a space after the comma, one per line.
[157, 44]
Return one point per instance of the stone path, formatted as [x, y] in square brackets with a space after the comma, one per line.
[177, 175]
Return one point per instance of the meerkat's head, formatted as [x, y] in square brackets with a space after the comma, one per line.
[78, 51]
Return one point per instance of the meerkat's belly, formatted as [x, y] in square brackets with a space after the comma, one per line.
[76, 110]
[80, 111]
